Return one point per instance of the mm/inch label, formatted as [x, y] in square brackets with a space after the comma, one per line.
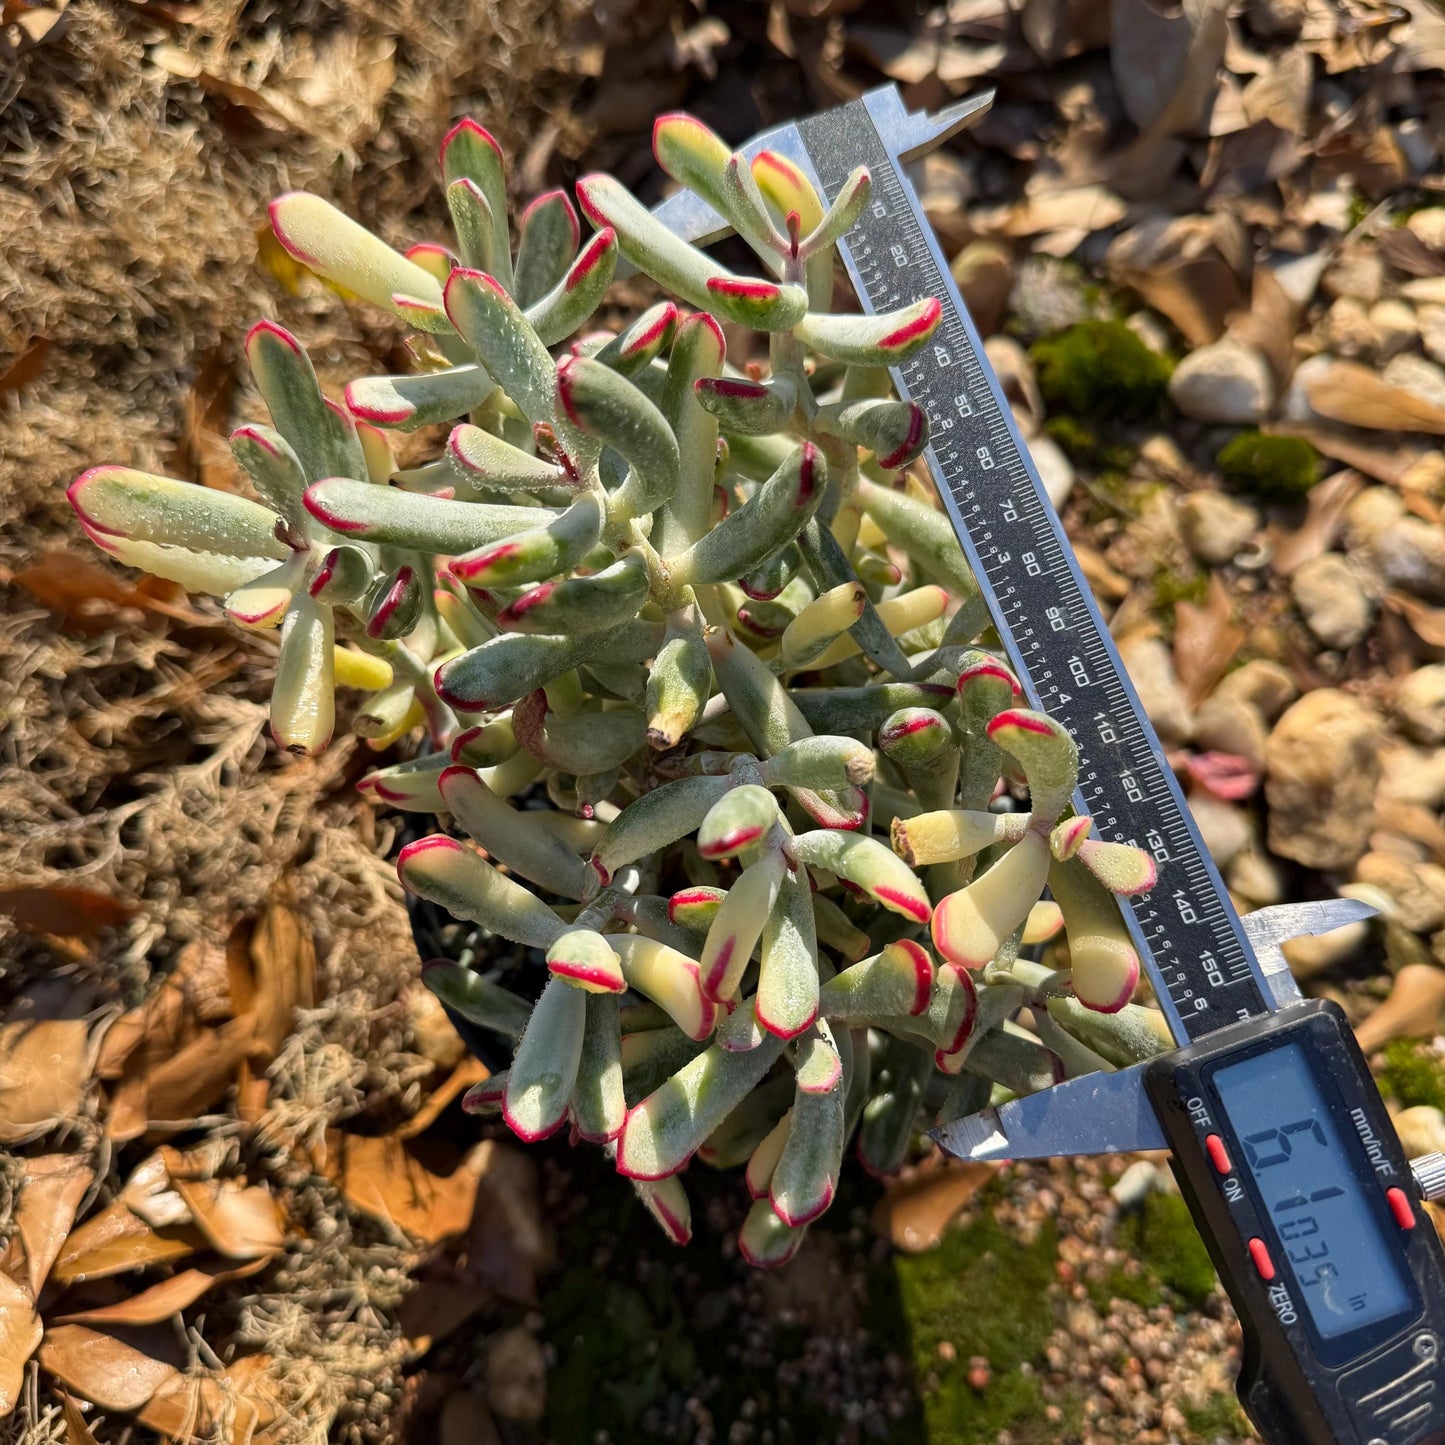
[1203, 971]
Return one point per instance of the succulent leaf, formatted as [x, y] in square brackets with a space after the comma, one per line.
[544, 1069]
[336, 247]
[547, 240]
[440, 868]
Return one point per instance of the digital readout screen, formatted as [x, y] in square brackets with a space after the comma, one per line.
[1348, 1271]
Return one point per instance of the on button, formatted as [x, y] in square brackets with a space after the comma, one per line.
[1218, 1154]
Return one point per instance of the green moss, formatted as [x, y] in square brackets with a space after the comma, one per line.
[1162, 1235]
[1412, 1075]
[1171, 587]
[982, 1292]
[1268, 465]
[1219, 1415]
[1100, 368]
[1083, 445]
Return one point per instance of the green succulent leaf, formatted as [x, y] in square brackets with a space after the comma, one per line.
[664, 1131]
[503, 339]
[447, 872]
[772, 517]
[564, 308]
[368, 513]
[336, 247]
[322, 435]
[476, 998]
[407, 402]
[544, 1070]
[548, 237]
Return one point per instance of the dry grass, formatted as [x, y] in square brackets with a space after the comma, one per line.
[138, 148]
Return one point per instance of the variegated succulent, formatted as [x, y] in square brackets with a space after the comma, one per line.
[692, 660]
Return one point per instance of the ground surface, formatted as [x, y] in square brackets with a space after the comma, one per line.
[400, 1280]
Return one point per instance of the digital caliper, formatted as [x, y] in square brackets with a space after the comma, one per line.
[1281, 1144]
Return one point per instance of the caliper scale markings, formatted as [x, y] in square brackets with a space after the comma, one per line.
[1190, 942]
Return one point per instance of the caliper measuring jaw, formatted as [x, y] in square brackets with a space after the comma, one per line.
[1109, 1113]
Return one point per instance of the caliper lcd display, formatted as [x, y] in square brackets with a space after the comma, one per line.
[1349, 1271]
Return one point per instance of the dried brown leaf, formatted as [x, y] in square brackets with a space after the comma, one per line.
[1166, 66]
[1206, 639]
[470, 1071]
[239, 1221]
[77, 1429]
[115, 1241]
[26, 367]
[195, 992]
[1269, 324]
[116, 1371]
[185, 1085]
[1358, 396]
[1324, 516]
[20, 1332]
[44, 1069]
[1384, 462]
[169, 1297]
[915, 1210]
[428, 1191]
[273, 973]
[65, 912]
[50, 1194]
[434, 1310]
[1427, 622]
[196, 1407]
[1188, 268]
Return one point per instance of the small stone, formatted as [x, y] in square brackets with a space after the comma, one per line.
[1359, 274]
[1224, 382]
[1055, 470]
[1411, 555]
[516, 1376]
[1322, 765]
[1408, 775]
[984, 272]
[1151, 668]
[1047, 296]
[1421, 1129]
[1396, 329]
[1151, 331]
[1421, 378]
[1295, 405]
[1419, 703]
[1348, 330]
[1431, 320]
[1263, 684]
[1226, 830]
[1256, 876]
[1331, 600]
[1425, 477]
[1216, 527]
[1375, 509]
[1428, 227]
[1415, 889]
[1314, 953]
[1225, 723]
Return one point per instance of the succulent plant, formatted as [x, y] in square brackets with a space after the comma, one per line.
[704, 624]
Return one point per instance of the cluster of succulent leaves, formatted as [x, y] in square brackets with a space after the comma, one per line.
[708, 618]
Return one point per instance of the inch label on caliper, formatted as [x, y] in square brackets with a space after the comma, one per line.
[1189, 939]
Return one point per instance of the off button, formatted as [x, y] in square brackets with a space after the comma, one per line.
[1218, 1154]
